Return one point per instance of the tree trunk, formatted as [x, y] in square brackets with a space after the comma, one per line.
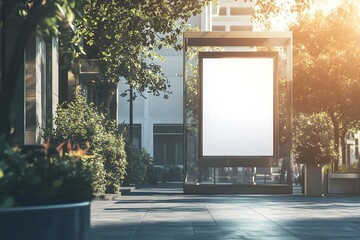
[343, 146]
[105, 96]
[336, 138]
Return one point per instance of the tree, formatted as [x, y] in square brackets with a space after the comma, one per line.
[31, 16]
[278, 14]
[326, 68]
[313, 139]
[125, 36]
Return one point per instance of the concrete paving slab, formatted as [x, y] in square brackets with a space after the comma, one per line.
[163, 212]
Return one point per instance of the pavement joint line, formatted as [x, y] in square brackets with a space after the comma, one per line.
[192, 224]
[215, 220]
[138, 225]
[286, 230]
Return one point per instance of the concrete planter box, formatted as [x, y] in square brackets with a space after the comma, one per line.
[314, 181]
[344, 183]
[52, 222]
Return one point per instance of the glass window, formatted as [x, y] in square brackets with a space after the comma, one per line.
[236, 11]
[241, 28]
[168, 145]
[218, 28]
[222, 11]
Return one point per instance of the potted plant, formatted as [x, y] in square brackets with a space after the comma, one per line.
[44, 193]
[314, 148]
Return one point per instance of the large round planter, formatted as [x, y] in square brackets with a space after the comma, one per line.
[52, 222]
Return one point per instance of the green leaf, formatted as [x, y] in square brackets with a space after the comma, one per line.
[70, 15]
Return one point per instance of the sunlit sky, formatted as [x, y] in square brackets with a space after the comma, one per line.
[280, 22]
[325, 5]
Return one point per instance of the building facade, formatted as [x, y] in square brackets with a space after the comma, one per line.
[43, 81]
[352, 148]
[231, 15]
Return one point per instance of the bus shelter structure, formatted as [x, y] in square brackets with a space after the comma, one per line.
[237, 112]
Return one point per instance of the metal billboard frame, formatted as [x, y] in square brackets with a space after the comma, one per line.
[241, 39]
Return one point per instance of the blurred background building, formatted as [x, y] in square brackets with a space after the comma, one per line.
[158, 122]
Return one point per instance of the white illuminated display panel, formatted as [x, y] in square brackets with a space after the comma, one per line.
[238, 106]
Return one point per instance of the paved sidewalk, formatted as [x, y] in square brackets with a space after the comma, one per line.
[166, 213]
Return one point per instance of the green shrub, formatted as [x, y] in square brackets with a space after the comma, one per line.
[41, 178]
[111, 147]
[82, 124]
[156, 174]
[352, 168]
[140, 166]
[95, 167]
[153, 176]
[174, 174]
[171, 174]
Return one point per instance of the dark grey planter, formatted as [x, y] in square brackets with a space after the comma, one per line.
[314, 180]
[52, 222]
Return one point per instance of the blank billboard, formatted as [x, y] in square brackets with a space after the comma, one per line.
[238, 96]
